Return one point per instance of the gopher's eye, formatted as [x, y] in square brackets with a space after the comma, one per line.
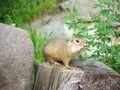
[77, 41]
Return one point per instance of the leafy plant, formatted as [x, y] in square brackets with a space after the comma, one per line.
[104, 39]
[78, 25]
[108, 50]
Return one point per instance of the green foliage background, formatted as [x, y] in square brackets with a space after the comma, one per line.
[22, 11]
[104, 24]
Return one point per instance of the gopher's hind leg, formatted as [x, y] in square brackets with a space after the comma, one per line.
[53, 61]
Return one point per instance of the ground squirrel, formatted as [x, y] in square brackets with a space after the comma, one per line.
[61, 50]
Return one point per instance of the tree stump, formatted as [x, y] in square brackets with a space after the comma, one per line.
[88, 75]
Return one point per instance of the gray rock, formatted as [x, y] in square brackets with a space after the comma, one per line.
[52, 26]
[55, 26]
[85, 7]
[16, 58]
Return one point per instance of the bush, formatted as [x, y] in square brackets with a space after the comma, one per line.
[101, 41]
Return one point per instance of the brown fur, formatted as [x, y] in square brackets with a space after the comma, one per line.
[61, 50]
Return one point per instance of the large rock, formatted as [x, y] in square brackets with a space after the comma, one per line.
[55, 25]
[85, 7]
[16, 58]
[52, 26]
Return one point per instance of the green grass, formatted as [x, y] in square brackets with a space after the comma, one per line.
[33, 79]
[38, 42]
[22, 11]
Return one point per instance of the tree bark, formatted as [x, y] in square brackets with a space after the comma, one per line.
[85, 75]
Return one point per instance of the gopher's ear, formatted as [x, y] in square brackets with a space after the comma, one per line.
[70, 42]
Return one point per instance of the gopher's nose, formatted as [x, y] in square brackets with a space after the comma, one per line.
[84, 45]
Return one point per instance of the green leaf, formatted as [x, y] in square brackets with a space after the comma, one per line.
[81, 20]
[97, 5]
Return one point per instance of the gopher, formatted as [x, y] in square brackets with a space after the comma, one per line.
[62, 50]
